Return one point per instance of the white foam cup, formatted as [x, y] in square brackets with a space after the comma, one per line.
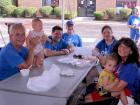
[25, 72]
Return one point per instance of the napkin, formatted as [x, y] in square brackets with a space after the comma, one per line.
[48, 80]
[68, 72]
[66, 60]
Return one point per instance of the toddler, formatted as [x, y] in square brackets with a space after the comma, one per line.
[39, 33]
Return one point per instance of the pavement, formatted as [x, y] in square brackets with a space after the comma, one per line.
[89, 30]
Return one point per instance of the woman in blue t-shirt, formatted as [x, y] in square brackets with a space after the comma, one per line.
[105, 46]
[127, 70]
[128, 67]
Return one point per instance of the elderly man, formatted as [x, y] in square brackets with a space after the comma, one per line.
[56, 45]
[14, 57]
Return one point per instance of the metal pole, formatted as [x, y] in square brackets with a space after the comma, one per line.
[41, 2]
[2, 38]
[62, 15]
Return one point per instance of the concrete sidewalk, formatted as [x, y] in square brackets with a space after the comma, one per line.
[3, 20]
[90, 31]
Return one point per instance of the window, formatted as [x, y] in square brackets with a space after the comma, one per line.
[15, 2]
[126, 3]
[46, 2]
[50, 3]
[55, 3]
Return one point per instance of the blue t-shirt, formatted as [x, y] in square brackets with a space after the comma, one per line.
[74, 39]
[130, 73]
[61, 44]
[134, 20]
[10, 59]
[105, 49]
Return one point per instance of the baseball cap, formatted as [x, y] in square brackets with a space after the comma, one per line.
[69, 23]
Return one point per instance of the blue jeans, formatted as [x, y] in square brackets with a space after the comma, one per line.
[135, 36]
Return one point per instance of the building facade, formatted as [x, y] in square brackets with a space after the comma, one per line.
[82, 7]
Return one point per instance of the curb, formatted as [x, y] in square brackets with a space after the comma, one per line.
[3, 20]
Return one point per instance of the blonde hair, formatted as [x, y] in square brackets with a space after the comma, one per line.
[36, 20]
[16, 27]
[112, 57]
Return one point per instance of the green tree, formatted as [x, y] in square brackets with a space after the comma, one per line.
[4, 3]
[46, 10]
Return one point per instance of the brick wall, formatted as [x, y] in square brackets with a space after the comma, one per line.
[138, 2]
[103, 4]
[70, 5]
[30, 3]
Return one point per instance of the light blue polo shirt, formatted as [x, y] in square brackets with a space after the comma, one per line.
[10, 59]
[134, 20]
[105, 49]
[61, 44]
[74, 38]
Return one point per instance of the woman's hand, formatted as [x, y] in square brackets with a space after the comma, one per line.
[95, 52]
[135, 27]
[116, 81]
[102, 59]
[120, 86]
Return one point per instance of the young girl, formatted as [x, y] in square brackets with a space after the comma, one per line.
[107, 80]
[39, 33]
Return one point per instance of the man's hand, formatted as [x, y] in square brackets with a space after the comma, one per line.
[32, 42]
[66, 51]
[44, 39]
[49, 52]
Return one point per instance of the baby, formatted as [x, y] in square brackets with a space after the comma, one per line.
[39, 33]
[107, 80]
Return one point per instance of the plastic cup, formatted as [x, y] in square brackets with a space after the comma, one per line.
[25, 72]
